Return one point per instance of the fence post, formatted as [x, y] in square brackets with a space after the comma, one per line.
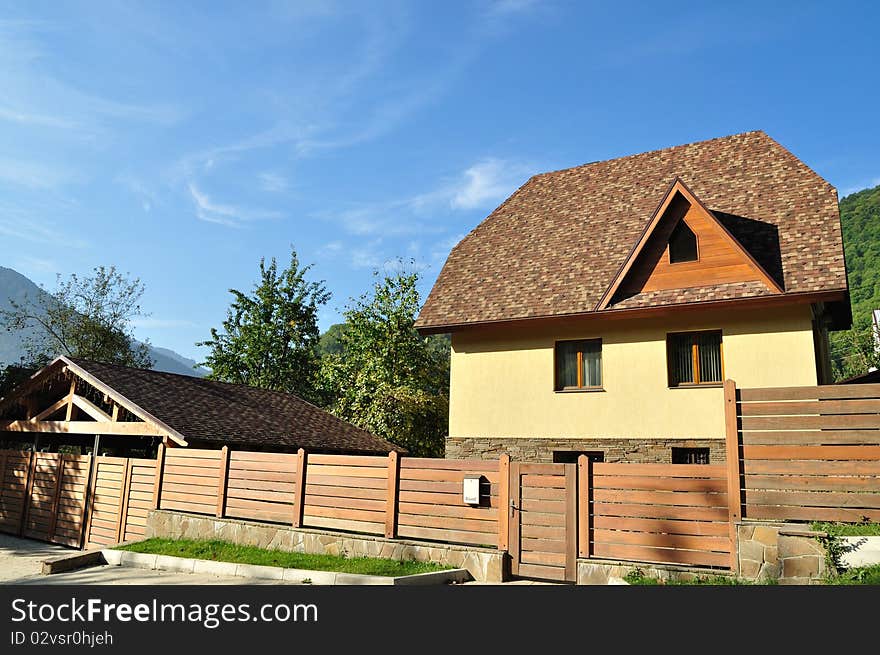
[585, 481]
[299, 493]
[391, 495]
[122, 519]
[222, 478]
[503, 501]
[157, 484]
[731, 429]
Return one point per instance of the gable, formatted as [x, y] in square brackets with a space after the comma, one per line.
[719, 257]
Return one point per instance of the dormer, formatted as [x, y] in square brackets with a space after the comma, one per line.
[684, 245]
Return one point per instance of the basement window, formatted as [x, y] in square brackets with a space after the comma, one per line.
[690, 455]
[571, 456]
[682, 244]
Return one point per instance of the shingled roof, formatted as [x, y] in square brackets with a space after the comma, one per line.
[555, 246]
[209, 411]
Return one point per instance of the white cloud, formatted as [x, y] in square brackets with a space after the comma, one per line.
[38, 120]
[487, 183]
[33, 175]
[367, 255]
[223, 214]
[272, 182]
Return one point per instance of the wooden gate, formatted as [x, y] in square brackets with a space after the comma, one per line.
[543, 521]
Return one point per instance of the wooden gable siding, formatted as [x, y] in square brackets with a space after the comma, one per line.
[719, 261]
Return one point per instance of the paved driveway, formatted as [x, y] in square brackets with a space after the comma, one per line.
[21, 563]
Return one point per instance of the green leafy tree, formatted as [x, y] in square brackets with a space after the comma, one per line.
[854, 352]
[270, 337]
[89, 317]
[387, 378]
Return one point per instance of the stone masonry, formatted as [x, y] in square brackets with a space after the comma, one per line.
[790, 554]
[484, 564]
[522, 449]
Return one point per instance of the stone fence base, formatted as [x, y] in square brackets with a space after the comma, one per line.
[788, 553]
[484, 564]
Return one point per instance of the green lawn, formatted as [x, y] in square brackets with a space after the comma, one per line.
[638, 578]
[223, 551]
[867, 575]
[848, 529]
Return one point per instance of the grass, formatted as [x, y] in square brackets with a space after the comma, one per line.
[848, 529]
[223, 551]
[862, 575]
[638, 578]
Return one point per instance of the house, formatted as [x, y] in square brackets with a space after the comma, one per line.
[599, 308]
[76, 402]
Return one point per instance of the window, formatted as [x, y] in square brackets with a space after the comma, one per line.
[578, 365]
[571, 456]
[690, 455]
[695, 358]
[682, 244]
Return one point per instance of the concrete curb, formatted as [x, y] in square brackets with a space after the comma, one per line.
[73, 561]
[302, 576]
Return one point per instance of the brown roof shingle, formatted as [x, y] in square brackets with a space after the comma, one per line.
[555, 245]
[206, 410]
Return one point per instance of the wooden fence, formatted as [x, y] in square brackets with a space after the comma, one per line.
[673, 513]
[808, 453]
[389, 496]
[793, 454]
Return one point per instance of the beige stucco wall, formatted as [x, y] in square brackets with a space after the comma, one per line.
[502, 381]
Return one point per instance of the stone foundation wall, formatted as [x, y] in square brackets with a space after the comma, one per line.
[790, 554]
[484, 564]
[655, 451]
[599, 572]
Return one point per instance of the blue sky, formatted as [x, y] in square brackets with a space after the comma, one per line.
[184, 141]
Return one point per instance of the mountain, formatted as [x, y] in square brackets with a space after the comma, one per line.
[15, 286]
[860, 219]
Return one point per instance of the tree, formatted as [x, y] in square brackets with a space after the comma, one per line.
[853, 352]
[387, 378]
[270, 337]
[89, 317]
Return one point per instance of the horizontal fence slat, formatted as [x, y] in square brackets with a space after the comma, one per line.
[450, 536]
[829, 392]
[813, 452]
[807, 467]
[806, 482]
[684, 498]
[660, 555]
[661, 470]
[466, 465]
[832, 422]
[660, 511]
[669, 526]
[811, 437]
[543, 572]
[719, 544]
[447, 523]
[813, 498]
[786, 512]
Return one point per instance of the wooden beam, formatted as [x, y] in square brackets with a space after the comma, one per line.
[571, 526]
[115, 416]
[70, 396]
[83, 427]
[28, 487]
[91, 409]
[54, 407]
